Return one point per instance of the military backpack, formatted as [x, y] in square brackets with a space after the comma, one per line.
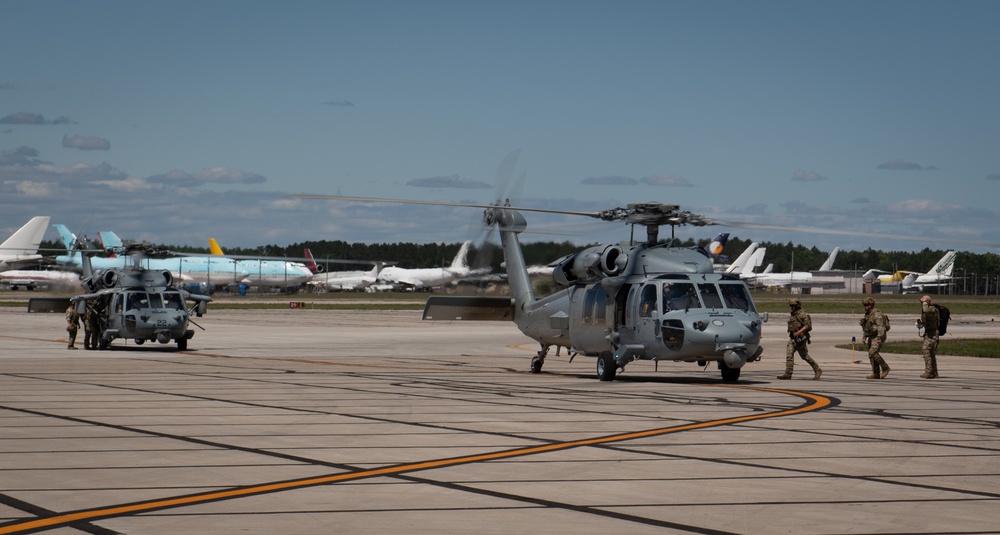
[943, 316]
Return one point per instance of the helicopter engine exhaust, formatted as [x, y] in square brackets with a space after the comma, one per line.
[168, 277]
[109, 279]
[591, 264]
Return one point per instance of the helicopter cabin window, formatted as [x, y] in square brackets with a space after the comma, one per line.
[647, 301]
[623, 313]
[173, 300]
[595, 306]
[117, 307]
[600, 305]
[155, 301]
[710, 295]
[588, 306]
[736, 296]
[679, 296]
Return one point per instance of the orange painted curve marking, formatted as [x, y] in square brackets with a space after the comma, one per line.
[814, 402]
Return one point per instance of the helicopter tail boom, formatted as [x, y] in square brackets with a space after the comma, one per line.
[468, 308]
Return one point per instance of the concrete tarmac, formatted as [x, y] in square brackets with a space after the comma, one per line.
[303, 421]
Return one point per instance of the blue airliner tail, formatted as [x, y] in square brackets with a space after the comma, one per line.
[68, 238]
[714, 249]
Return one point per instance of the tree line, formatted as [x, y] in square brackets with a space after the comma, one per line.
[785, 256]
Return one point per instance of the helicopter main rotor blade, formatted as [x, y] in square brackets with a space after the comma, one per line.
[835, 232]
[596, 215]
[650, 214]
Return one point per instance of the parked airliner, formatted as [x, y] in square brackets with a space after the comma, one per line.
[21, 249]
[432, 277]
[213, 270]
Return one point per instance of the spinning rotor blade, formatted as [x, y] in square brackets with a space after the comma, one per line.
[655, 214]
[504, 172]
[596, 215]
[835, 232]
[639, 214]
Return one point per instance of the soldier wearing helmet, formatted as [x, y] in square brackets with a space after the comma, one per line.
[72, 325]
[873, 325]
[799, 325]
[930, 319]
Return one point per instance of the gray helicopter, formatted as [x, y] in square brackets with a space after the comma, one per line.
[136, 303]
[621, 302]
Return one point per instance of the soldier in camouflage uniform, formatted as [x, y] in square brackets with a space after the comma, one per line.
[95, 311]
[873, 326]
[72, 325]
[799, 325]
[85, 321]
[931, 320]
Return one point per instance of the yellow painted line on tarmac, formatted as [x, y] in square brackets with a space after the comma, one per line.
[813, 402]
[33, 339]
[332, 363]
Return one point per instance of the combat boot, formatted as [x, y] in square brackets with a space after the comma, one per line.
[785, 376]
[926, 375]
[873, 376]
[818, 373]
[885, 372]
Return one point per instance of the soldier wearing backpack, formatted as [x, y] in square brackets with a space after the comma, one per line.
[930, 318]
[799, 325]
[874, 326]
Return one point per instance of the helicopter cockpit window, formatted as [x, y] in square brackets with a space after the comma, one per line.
[137, 300]
[173, 300]
[647, 301]
[710, 295]
[735, 295]
[155, 301]
[679, 296]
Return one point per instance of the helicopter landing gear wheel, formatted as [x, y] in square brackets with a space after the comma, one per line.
[103, 343]
[539, 359]
[182, 344]
[606, 367]
[729, 375]
[139, 341]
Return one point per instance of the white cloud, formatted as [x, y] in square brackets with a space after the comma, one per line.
[802, 175]
[923, 206]
[36, 189]
[227, 175]
[211, 175]
[666, 180]
[452, 181]
[33, 119]
[86, 143]
[900, 165]
[609, 181]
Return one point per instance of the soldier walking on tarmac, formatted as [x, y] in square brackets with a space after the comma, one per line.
[72, 325]
[931, 320]
[874, 326]
[799, 325]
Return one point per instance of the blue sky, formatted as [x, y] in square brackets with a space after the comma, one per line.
[176, 121]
